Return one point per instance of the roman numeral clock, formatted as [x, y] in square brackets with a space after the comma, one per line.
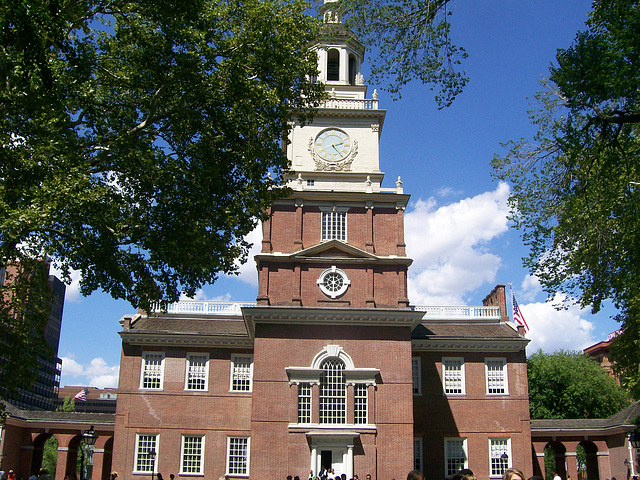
[333, 150]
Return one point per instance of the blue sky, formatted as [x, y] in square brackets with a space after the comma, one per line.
[456, 226]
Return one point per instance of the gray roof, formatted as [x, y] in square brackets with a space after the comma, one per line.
[461, 330]
[60, 417]
[190, 326]
[623, 420]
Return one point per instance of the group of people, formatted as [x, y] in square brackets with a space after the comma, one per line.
[42, 475]
[328, 474]
[466, 474]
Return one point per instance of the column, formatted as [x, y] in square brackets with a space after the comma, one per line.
[349, 462]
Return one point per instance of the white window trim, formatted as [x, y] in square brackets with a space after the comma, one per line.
[142, 365]
[202, 457]
[137, 452]
[233, 363]
[508, 439]
[416, 361]
[446, 456]
[246, 474]
[418, 462]
[504, 372]
[462, 374]
[206, 372]
[346, 222]
[345, 282]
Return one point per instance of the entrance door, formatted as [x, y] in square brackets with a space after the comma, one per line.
[333, 458]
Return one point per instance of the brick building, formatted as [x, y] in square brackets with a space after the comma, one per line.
[331, 367]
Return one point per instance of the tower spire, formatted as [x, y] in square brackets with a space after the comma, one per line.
[331, 11]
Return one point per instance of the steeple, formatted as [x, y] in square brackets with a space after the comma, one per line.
[338, 152]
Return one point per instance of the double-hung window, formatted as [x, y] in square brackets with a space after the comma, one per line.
[416, 375]
[496, 373]
[151, 377]
[418, 462]
[453, 376]
[197, 371]
[238, 456]
[360, 405]
[145, 443]
[304, 403]
[334, 224]
[455, 455]
[192, 454]
[241, 373]
[499, 455]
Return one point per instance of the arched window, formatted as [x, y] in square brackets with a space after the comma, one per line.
[352, 69]
[333, 65]
[333, 392]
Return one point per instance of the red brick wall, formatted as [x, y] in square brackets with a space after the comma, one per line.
[173, 412]
[475, 415]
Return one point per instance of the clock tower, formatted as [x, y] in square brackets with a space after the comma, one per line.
[332, 326]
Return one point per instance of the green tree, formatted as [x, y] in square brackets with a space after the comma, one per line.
[571, 385]
[68, 405]
[50, 456]
[576, 195]
[140, 142]
[413, 42]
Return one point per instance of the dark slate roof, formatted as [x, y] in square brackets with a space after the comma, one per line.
[183, 326]
[624, 418]
[61, 417]
[460, 330]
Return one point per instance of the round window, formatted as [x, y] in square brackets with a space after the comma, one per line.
[333, 282]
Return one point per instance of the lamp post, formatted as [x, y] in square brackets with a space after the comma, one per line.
[152, 457]
[504, 458]
[89, 437]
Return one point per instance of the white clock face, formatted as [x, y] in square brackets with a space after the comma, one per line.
[333, 145]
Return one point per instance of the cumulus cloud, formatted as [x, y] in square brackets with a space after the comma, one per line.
[72, 292]
[96, 374]
[551, 329]
[248, 271]
[449, 246]
[530, 288]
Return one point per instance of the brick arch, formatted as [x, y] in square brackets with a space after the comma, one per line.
[591, 450]
[37, 442]
[561, 457]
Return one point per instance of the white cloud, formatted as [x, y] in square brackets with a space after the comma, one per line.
[72, 292]
[96, 374]
[529, 289]
[449, 246]
[551, 329]
[248, 271]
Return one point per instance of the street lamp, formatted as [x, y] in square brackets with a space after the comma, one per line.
[504, 458]
[89, 437]
[152, 457]
[634, 439]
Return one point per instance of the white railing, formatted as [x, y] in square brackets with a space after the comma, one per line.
[458, 313]
[352, 103]
[207, 307]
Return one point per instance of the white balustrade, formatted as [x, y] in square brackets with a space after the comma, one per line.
[458, 312]
[352, 103]
[206, 307]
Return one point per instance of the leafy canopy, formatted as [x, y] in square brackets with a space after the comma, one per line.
[136, 138]
[413, 42]
[576, 185]
[571, 385]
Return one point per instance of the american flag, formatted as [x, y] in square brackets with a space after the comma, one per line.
[517, 314]
[81, 395]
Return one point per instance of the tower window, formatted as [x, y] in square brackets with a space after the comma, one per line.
[333, 66]
[352, 70]
[334, 225]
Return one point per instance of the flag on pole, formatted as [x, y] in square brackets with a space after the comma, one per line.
[81, 395]
[517, 313]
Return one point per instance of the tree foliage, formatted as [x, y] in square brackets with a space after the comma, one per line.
[571, 385]
[413, 42]
[50, 456]
[576, 194]
[68, 404]
[136, 138]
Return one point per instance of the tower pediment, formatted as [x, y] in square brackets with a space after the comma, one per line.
[333, 249]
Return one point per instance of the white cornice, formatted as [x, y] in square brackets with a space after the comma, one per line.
[185, 339]
[469, 344]
[346, 198]
[329, 316]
